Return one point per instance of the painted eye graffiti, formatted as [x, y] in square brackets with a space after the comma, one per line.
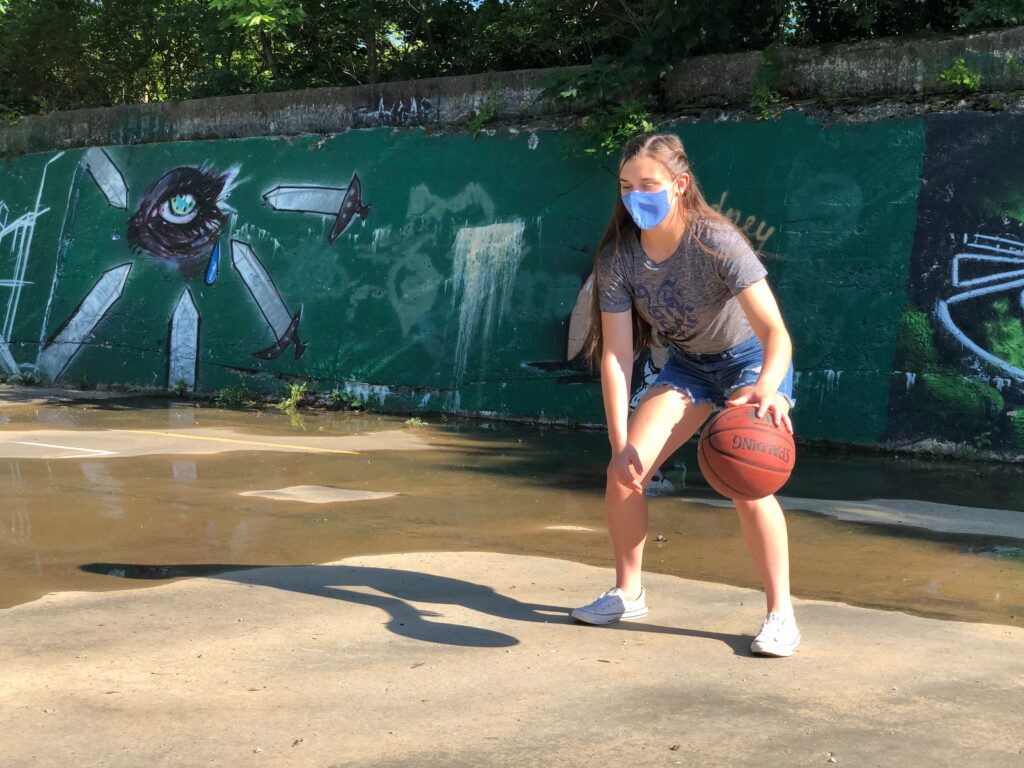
[180, 209]
[181, 215]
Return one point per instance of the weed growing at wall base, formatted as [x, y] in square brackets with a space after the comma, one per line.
[766, 99]
[487, 112]
[1013, 65]
[346, 400]
[296, 394]
[236, 397]
[960, 76]
[607, 130]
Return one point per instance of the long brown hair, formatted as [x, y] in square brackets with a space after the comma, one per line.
[667, 149]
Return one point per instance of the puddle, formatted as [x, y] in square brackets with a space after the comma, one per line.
[168, 510]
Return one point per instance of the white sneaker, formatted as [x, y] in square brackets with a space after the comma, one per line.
[612, 606]
[779, 636]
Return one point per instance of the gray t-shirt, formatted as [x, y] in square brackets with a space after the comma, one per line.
[690, 297]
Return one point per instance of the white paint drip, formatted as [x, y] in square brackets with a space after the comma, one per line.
[485, 261]
[830, 385]
[383, 233]
[911, 379]
[251, 232]
[365, 391]
[425, 400]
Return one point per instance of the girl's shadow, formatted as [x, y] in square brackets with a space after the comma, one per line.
[395, 589]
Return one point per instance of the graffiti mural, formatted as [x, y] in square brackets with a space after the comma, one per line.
[433, 271]
[180, 220]
[340, 203]
[960, 358]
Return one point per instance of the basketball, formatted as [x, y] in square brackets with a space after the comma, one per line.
[744, 457]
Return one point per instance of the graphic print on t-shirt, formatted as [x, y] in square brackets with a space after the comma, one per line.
[668, 305]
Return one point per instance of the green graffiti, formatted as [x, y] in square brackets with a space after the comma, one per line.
[1017, 428]
[960, 405]
[917, 343]
[1005, 334]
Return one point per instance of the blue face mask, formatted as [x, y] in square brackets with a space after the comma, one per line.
[648, 209]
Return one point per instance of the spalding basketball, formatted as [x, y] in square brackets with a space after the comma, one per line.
[744, 457]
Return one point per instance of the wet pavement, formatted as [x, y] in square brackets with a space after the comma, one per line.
[118, 493]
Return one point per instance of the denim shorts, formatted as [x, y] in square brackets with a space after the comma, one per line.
[714, 378]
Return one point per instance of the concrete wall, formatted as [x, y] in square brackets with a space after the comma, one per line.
[429, 271]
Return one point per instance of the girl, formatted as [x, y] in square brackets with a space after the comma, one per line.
[669, 263]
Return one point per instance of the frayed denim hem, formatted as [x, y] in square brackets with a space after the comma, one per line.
[685, 391]
[734, 390]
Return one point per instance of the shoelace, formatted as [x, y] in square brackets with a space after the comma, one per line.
[772, 623]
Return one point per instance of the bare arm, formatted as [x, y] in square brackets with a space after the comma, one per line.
[616, 375]
[762, 311]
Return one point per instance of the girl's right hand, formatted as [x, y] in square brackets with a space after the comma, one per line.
[627, 469]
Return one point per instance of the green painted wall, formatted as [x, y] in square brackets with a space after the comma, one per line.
[473, 250]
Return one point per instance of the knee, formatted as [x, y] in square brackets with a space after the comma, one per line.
[614, 485]
[753, 507]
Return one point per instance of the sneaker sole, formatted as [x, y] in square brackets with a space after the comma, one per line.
[775, 651]
[599, 620]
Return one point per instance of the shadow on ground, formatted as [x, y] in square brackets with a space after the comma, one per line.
[396, 590]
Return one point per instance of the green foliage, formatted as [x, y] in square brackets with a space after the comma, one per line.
[237, 397]
[347, 400]
[960, 76]
[270, 15]
[983, 440]
[296, 394]
[1005, 333]
[85, 384]
[766, 98]
[66, 54]
[486, 113]
[982, 13]
[605, 131]
[1013, 65]
[3, 377]
[764, 102]
[25, 379]
[415, 423]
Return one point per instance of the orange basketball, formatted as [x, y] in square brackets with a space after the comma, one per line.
[744, 457]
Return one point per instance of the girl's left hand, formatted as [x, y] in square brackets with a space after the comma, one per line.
[766, 400]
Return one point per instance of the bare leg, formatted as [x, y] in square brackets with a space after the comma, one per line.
[661, 423]
[764, 529]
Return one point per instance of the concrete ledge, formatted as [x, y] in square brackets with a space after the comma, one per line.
[874, 69]
[433, 101]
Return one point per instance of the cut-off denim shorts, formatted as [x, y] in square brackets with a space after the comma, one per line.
[714, 378]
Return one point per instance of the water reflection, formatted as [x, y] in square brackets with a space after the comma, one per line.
[503, 488]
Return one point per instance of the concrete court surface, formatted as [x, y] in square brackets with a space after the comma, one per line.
[470, 659]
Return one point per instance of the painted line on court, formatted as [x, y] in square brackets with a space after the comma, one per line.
[311, 448]
[93, 451]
